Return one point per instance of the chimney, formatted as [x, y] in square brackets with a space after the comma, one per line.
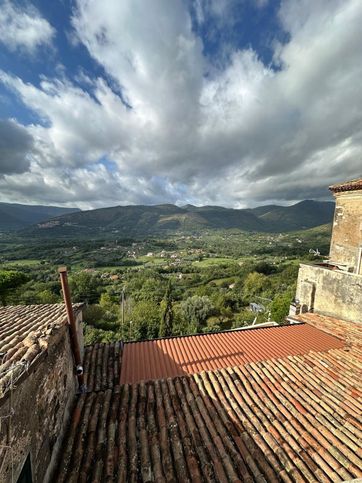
[72, 327]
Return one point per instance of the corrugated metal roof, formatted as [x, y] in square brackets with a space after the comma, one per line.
[177, 356]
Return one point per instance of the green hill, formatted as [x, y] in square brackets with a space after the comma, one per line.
[141, 220]
[14, 216]
[305, 214]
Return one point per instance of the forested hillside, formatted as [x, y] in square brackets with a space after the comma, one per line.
[162, 220]
[15, 216]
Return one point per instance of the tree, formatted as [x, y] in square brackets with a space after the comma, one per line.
[84, 287]
[110, 304]
[212, 325]
[166, 313]
[196, 309]
[47, 297]
[144, 320]
[265, 268]
[244, 318]
[93, 335]
[92, 314]
[180, 324]
[280, 306]
[98, 317]
[10, 280]
[254, 284]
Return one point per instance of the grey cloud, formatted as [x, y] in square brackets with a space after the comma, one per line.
[15, 146]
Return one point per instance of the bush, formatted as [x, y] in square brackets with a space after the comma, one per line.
[48, 297]
[196, 310]
[93, 335]
[280, 305]
[255, 283]
[10, 280]
[144, 320]
[265, 268]
[93, 313]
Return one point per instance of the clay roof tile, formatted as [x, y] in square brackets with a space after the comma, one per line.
[352, 185]
[25, 331]
[282, 416]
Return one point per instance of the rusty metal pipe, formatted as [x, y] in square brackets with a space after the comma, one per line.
[72, 326]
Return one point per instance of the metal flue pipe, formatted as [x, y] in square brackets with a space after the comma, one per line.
[72, 326]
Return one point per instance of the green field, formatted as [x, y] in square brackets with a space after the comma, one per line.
[211, 262]
[21, 263]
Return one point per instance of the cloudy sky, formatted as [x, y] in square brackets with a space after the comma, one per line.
[228, 102]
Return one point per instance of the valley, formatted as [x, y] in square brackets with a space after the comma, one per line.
[158, 286]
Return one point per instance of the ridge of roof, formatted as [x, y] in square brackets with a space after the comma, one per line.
[198, 334]
[351, 185]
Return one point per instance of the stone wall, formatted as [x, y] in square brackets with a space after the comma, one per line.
[40, 405]
[347, 229]
[330, 292]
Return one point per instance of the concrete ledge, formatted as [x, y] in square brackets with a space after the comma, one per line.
[330, 292]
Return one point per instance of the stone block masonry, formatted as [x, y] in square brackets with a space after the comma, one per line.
[35, 410]
[346, 241]
[330, 292]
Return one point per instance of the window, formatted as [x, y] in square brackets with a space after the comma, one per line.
[25, 475]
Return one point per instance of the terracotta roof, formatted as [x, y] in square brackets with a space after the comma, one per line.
[349, 332]
[177, 356]
[354, 184]
[24, 334]
[296, 418]
[102, 366]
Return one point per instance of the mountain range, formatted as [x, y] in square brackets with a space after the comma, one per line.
[14, 216]
[141, 220]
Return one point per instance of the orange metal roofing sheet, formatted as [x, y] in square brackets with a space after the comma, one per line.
[162, 358]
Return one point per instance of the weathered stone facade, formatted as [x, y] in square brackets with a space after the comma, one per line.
[35, 412]
[335, 288]
[330, 292]
[346, 244]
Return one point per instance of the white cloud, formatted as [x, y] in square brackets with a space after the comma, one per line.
[150, 50]
[23, 28]
[80, 128]
[233, 135]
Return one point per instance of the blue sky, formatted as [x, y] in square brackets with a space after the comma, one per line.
[247, 24]
[229, 102]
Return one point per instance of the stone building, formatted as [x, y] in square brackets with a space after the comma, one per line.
[334, 287]
[346, 244]
[37, 388]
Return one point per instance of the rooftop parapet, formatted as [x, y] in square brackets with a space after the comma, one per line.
[352, 185]
[327, 290]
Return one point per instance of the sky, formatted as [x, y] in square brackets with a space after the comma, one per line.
[225, 102]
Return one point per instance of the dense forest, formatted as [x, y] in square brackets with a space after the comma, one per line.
[139, 289]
